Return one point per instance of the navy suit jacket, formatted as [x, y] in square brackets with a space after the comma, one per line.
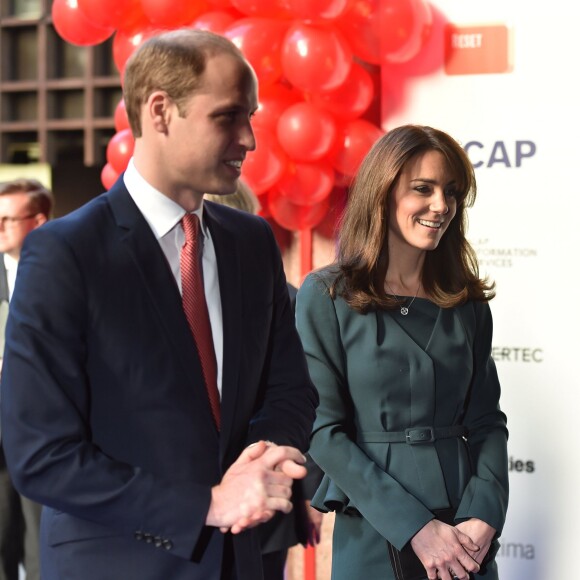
[105, 415]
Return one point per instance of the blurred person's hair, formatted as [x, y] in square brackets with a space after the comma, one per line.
[243, 198]
[40, 198]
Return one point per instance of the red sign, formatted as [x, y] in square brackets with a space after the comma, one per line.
[477, 49]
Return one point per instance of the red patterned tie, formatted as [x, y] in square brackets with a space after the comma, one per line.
[195, 307]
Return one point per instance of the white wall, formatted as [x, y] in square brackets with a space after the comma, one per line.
[525, 226]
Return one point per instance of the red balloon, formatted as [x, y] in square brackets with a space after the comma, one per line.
[215, 20]
[292, 216]
[264, 210]
[73, 26]
[111, 13]
[120, 150]
[263, 8]
[351, 99]
[260, 39]
[354, 141]
[386, 30]
[219, 4]
[357, 23]
[173, 13]
[274, 100]
[121, 119]
[307, 183]
[316, 9]
[337, 202]
[108, 176]
[127, 40]
[315, 57]
[306, 132]
[403, 26]
[263, 167]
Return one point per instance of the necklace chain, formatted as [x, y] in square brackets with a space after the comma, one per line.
[404, 309]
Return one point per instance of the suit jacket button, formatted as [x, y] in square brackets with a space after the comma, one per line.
[138, 536]
[148, 538]
[167, 544]
[158, 541]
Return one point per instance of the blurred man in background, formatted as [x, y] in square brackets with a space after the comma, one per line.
[25, 204]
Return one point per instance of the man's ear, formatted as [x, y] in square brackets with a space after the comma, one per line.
[39, 219]
[158, 110]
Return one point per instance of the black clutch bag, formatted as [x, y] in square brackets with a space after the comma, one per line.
[406, 565]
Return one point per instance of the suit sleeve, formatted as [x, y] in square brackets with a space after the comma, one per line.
[332, 446]
[486, 495]
[313, 478]
[287, 409]
[46, 412]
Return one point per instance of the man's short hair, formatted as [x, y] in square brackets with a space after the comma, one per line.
[173, 62]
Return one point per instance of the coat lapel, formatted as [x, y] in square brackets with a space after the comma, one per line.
[158, 282]
[230, 280]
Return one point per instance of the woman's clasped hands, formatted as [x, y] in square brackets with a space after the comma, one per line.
[449, 552]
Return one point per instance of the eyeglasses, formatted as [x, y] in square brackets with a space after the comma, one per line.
[10, 222]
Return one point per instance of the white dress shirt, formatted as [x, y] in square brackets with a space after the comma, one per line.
[164, 216]
[11, 266]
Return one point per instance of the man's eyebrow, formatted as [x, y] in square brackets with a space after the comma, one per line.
[223, 107]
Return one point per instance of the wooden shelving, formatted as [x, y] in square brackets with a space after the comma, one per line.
[53, 96]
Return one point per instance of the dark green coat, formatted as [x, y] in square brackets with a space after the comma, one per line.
[372, 378]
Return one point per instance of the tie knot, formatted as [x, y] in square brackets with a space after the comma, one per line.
[190, 224]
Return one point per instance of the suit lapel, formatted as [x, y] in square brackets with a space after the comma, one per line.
[229, 273]
[158, 282]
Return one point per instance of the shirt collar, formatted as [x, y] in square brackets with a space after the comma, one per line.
[10, 264]
[161, 213]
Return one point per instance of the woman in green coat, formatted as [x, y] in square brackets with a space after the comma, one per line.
[398, 335]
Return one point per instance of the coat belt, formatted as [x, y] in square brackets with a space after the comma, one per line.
[413, 435]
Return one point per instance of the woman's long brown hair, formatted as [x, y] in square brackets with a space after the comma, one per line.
[450, 274]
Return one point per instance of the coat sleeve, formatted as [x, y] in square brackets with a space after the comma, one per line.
[486, 495]
[370, 490]
[46, 412]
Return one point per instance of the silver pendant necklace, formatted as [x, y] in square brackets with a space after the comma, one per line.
[404, 309]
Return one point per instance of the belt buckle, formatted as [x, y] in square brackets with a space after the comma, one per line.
[419, 435]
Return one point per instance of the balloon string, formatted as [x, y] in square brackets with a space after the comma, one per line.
[305, 252]
[305, 268]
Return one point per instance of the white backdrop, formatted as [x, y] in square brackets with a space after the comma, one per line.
[525, 226]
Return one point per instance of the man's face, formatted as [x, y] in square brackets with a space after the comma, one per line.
[16, 222]
[204, 149]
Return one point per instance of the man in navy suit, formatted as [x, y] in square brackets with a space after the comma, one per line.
[107, 420]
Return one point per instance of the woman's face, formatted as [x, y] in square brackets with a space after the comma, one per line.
[422, 203]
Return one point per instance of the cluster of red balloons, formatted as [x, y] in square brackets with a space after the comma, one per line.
[317, 63]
